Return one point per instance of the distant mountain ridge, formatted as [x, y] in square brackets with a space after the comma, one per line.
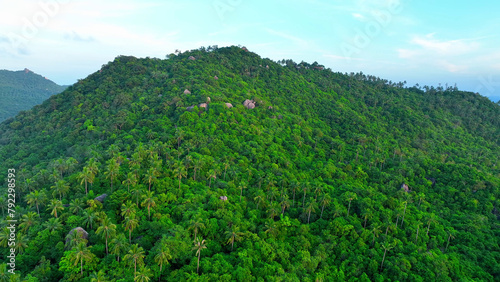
[21, 90]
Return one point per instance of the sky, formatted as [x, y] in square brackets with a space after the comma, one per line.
[426, 42]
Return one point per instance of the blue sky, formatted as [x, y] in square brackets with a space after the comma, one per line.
[425, 42]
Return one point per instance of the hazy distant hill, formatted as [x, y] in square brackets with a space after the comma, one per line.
[21, 90]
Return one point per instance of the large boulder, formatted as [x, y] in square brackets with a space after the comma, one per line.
[249, 104]
[81, 231]
[223, 198]
[101, 198]
[187, 92]
[190, 108]
[229, 105]
[203, 105]
[405, 187]
[192, 58]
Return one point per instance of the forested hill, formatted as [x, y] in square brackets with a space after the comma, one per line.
[21, 90]
[220, 165]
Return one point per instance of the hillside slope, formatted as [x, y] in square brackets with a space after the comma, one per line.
[329, 177]
[21, 90]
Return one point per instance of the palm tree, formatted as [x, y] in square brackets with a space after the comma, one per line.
[285, 203]
[37, 198]
[233, 235]
[54, 206]
[108, 229]
[112, 171]
[180, 171]
[432, 219]
[376, 232]
[259, 199]
[211, 174]
[28, 220]
[127, 209]
[60, 188]
[311, 207]
[4, 237]
[21, 242]
[137, 192]
[305, 187]
[272, 228]
[149, 201]
[73, 239]
[325, 202]
[89, 217]
[274, 210]
[195, 225]
[93, 166]
[76, 206]
[130, 224]
[367, 214]
[405, 203]
[349, 196]
[53, 224]
[130, 180]
[162, 256]
[386, 247]
[198, 164]
[449, 238]
[135, 254]
[151, 176]
[242, 186]
[418, 227]
[3, 204]
[80, 253]
[99, 276]
[199, 245]
[144, 274]
[86, 176]
[119, 244]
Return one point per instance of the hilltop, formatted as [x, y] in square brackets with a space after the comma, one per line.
[21, 90]
[271, 170]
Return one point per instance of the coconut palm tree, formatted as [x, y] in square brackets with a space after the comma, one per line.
[130, 180]
[60, 188]
[21, 242]
[119, 244]
[233, 235]
[54, 206]
[387, 246]
[327, 199]
[196, 225]
[28, 220]
[180, 171]
[80, 253]
[143, 275]
[36, 198]
[311, 207]
[432, 219]
[107, 229]
[86, 176]
[135, 254]
[4, 237]
[112, 171]
[76, 205]
[349, 196]
[89, 217]
[162, 256]
[99, 276]
[450, 233]
[73, 239]
[127, 209]
[199, 245]
[285, 203]
[149, 201]
[137, 193]
[376, 231]
[130, 224]
[151, 176]
[53, 224]
[259, 199]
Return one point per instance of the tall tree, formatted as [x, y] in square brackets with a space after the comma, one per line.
[149, 201]
[130, 224]
[119, 245]
[199, 245]
[163, 255]
[232, 235]
[135, 255]
[54, 206]
[107, 229]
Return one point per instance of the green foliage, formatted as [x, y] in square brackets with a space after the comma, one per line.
[308, 185]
